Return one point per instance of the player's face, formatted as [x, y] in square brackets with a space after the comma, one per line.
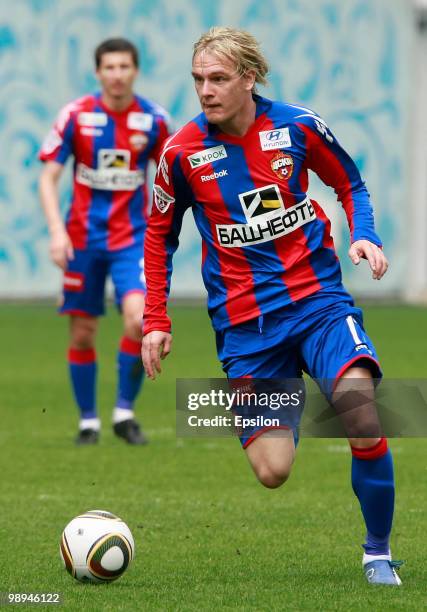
[116, 73]
[223, 93]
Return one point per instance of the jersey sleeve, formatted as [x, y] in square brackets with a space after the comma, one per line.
[335, 168]
[58, 144]
[171, 198]
[164, 126]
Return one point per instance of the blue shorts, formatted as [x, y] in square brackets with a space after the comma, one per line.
[84, 279]
[321, 335]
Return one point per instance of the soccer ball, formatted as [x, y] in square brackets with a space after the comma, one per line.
[96, 546]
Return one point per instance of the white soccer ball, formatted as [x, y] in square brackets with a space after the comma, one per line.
[97, 546]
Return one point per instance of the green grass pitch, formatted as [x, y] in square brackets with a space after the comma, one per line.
[208, 536]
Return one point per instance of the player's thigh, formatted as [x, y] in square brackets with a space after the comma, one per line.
[336, 344]
[84, 284]
[342, 358]
[127, 274]
[270, 378]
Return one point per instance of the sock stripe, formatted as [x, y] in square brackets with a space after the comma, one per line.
[130, 347]
[81, 356]
[373, 452]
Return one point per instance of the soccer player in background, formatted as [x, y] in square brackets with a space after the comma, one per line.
[112, 136]
[275, 293]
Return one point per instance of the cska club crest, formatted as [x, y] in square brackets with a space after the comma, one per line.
[282, 165]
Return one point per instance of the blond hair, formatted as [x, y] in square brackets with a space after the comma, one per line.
[238, 46]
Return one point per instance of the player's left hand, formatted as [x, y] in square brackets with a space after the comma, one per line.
[363, 249]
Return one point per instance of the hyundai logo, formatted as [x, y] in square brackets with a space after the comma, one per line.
[274, 135]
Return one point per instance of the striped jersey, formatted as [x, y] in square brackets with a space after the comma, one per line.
[265, 243]
[111, 150]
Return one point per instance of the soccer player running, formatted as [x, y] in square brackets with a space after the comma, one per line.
[112, 136]
[275, 293]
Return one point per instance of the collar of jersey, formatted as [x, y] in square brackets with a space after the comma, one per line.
[262, 106]
[132, 106]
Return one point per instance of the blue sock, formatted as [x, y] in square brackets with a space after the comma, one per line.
[82, 366]
[373, 484]
[130, 373]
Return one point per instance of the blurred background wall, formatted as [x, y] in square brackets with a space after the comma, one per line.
[358, 63]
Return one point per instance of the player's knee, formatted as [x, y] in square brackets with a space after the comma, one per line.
[82, 341]
[132, 322]
[273, 476]
[133, 328]
[83, 334]
[364, 431]
[360, 442]
[133, 310]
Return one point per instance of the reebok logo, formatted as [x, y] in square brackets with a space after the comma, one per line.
[207, 156]
[214, 175]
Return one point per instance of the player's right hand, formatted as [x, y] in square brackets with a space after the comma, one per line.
[61, 249]
[156, 345]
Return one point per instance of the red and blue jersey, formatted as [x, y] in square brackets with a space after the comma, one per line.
[111, 150]
[265, 243]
